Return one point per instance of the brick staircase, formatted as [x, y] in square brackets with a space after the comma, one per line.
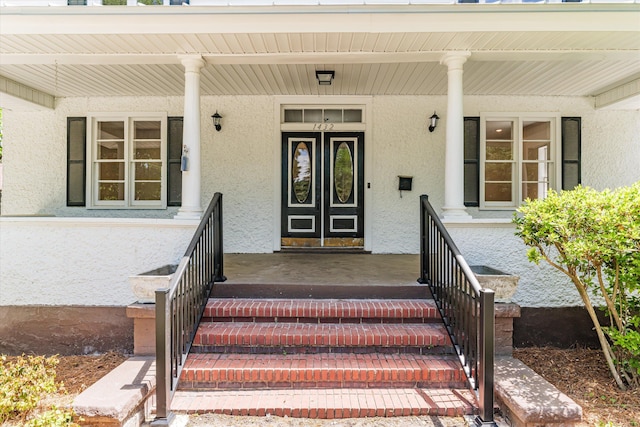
[323, 358]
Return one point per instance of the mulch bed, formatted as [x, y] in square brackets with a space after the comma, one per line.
[79, 372]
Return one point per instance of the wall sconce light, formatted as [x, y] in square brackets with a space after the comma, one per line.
[216, 121]
[325, 77]
[433, 122]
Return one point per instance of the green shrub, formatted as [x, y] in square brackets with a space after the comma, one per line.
[594, 238]
[54, 417]
[23, 383]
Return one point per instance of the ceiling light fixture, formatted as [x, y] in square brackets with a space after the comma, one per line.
[325, 77]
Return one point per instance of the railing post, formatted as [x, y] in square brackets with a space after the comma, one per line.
[486, 354]
[218, 250]
[163, 356]
[424, 265]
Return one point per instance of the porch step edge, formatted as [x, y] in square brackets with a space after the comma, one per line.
[311, 371]
[322, 335]
[316, 310]
[328, 403]
[234, 289]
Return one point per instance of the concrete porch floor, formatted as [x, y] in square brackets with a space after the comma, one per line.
[322, 269]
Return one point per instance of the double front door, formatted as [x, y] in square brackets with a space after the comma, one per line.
[322, 189]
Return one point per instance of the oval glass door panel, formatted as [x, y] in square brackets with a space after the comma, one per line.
[343, 172]
[301, 172]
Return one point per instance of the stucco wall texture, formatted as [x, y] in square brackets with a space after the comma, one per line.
[50, 261]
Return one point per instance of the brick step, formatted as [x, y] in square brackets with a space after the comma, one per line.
[321, 310]
[225, 337]
[328, 403]
[310, 371]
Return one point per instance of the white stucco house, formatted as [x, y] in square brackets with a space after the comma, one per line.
[110, 151]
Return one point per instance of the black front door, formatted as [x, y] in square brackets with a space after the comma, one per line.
[322, 189]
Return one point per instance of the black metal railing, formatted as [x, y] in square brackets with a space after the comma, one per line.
[466, 308]
[179, 308]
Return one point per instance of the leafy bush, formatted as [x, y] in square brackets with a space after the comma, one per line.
[594, 238]
[23, 383]
[54, 417]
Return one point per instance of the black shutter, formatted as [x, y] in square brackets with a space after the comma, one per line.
[76, 161]
[571, 152]
[174, 152]
[472, 161]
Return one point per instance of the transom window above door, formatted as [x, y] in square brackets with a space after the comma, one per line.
[294, 114]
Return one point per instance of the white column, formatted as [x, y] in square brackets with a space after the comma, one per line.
[191, 208]
[454, 151]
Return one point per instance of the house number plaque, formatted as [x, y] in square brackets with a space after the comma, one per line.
[323, 126]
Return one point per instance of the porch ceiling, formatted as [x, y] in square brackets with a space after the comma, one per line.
[583, 50]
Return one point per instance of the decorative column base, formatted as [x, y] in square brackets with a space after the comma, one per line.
[188, 214]
[455, 214]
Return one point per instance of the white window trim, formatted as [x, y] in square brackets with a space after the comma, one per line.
[555, 180]
[128, 202]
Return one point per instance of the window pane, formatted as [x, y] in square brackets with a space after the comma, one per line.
[534, 190]
[497, 192]
[110, 150]
[111, 171]
[313, 116]
[146, 130]
[147, 191]
[110, 130]
[353, 116]
[499, 130]
[343, 172]
[148, 171]
[498, 172]
[497, 150]
[333, 116]
[536, 130]
[536, 150]
[536, 171]
[301, 172]
[147, 150]
[293, 116]
[111, 191]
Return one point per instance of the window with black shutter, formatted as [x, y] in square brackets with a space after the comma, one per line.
[77, 161]
[570, 161]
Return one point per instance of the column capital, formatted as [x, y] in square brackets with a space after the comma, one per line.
[455, 59]
[191, 63]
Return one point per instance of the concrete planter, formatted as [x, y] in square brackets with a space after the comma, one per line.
[144, 285]
[503, 284]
